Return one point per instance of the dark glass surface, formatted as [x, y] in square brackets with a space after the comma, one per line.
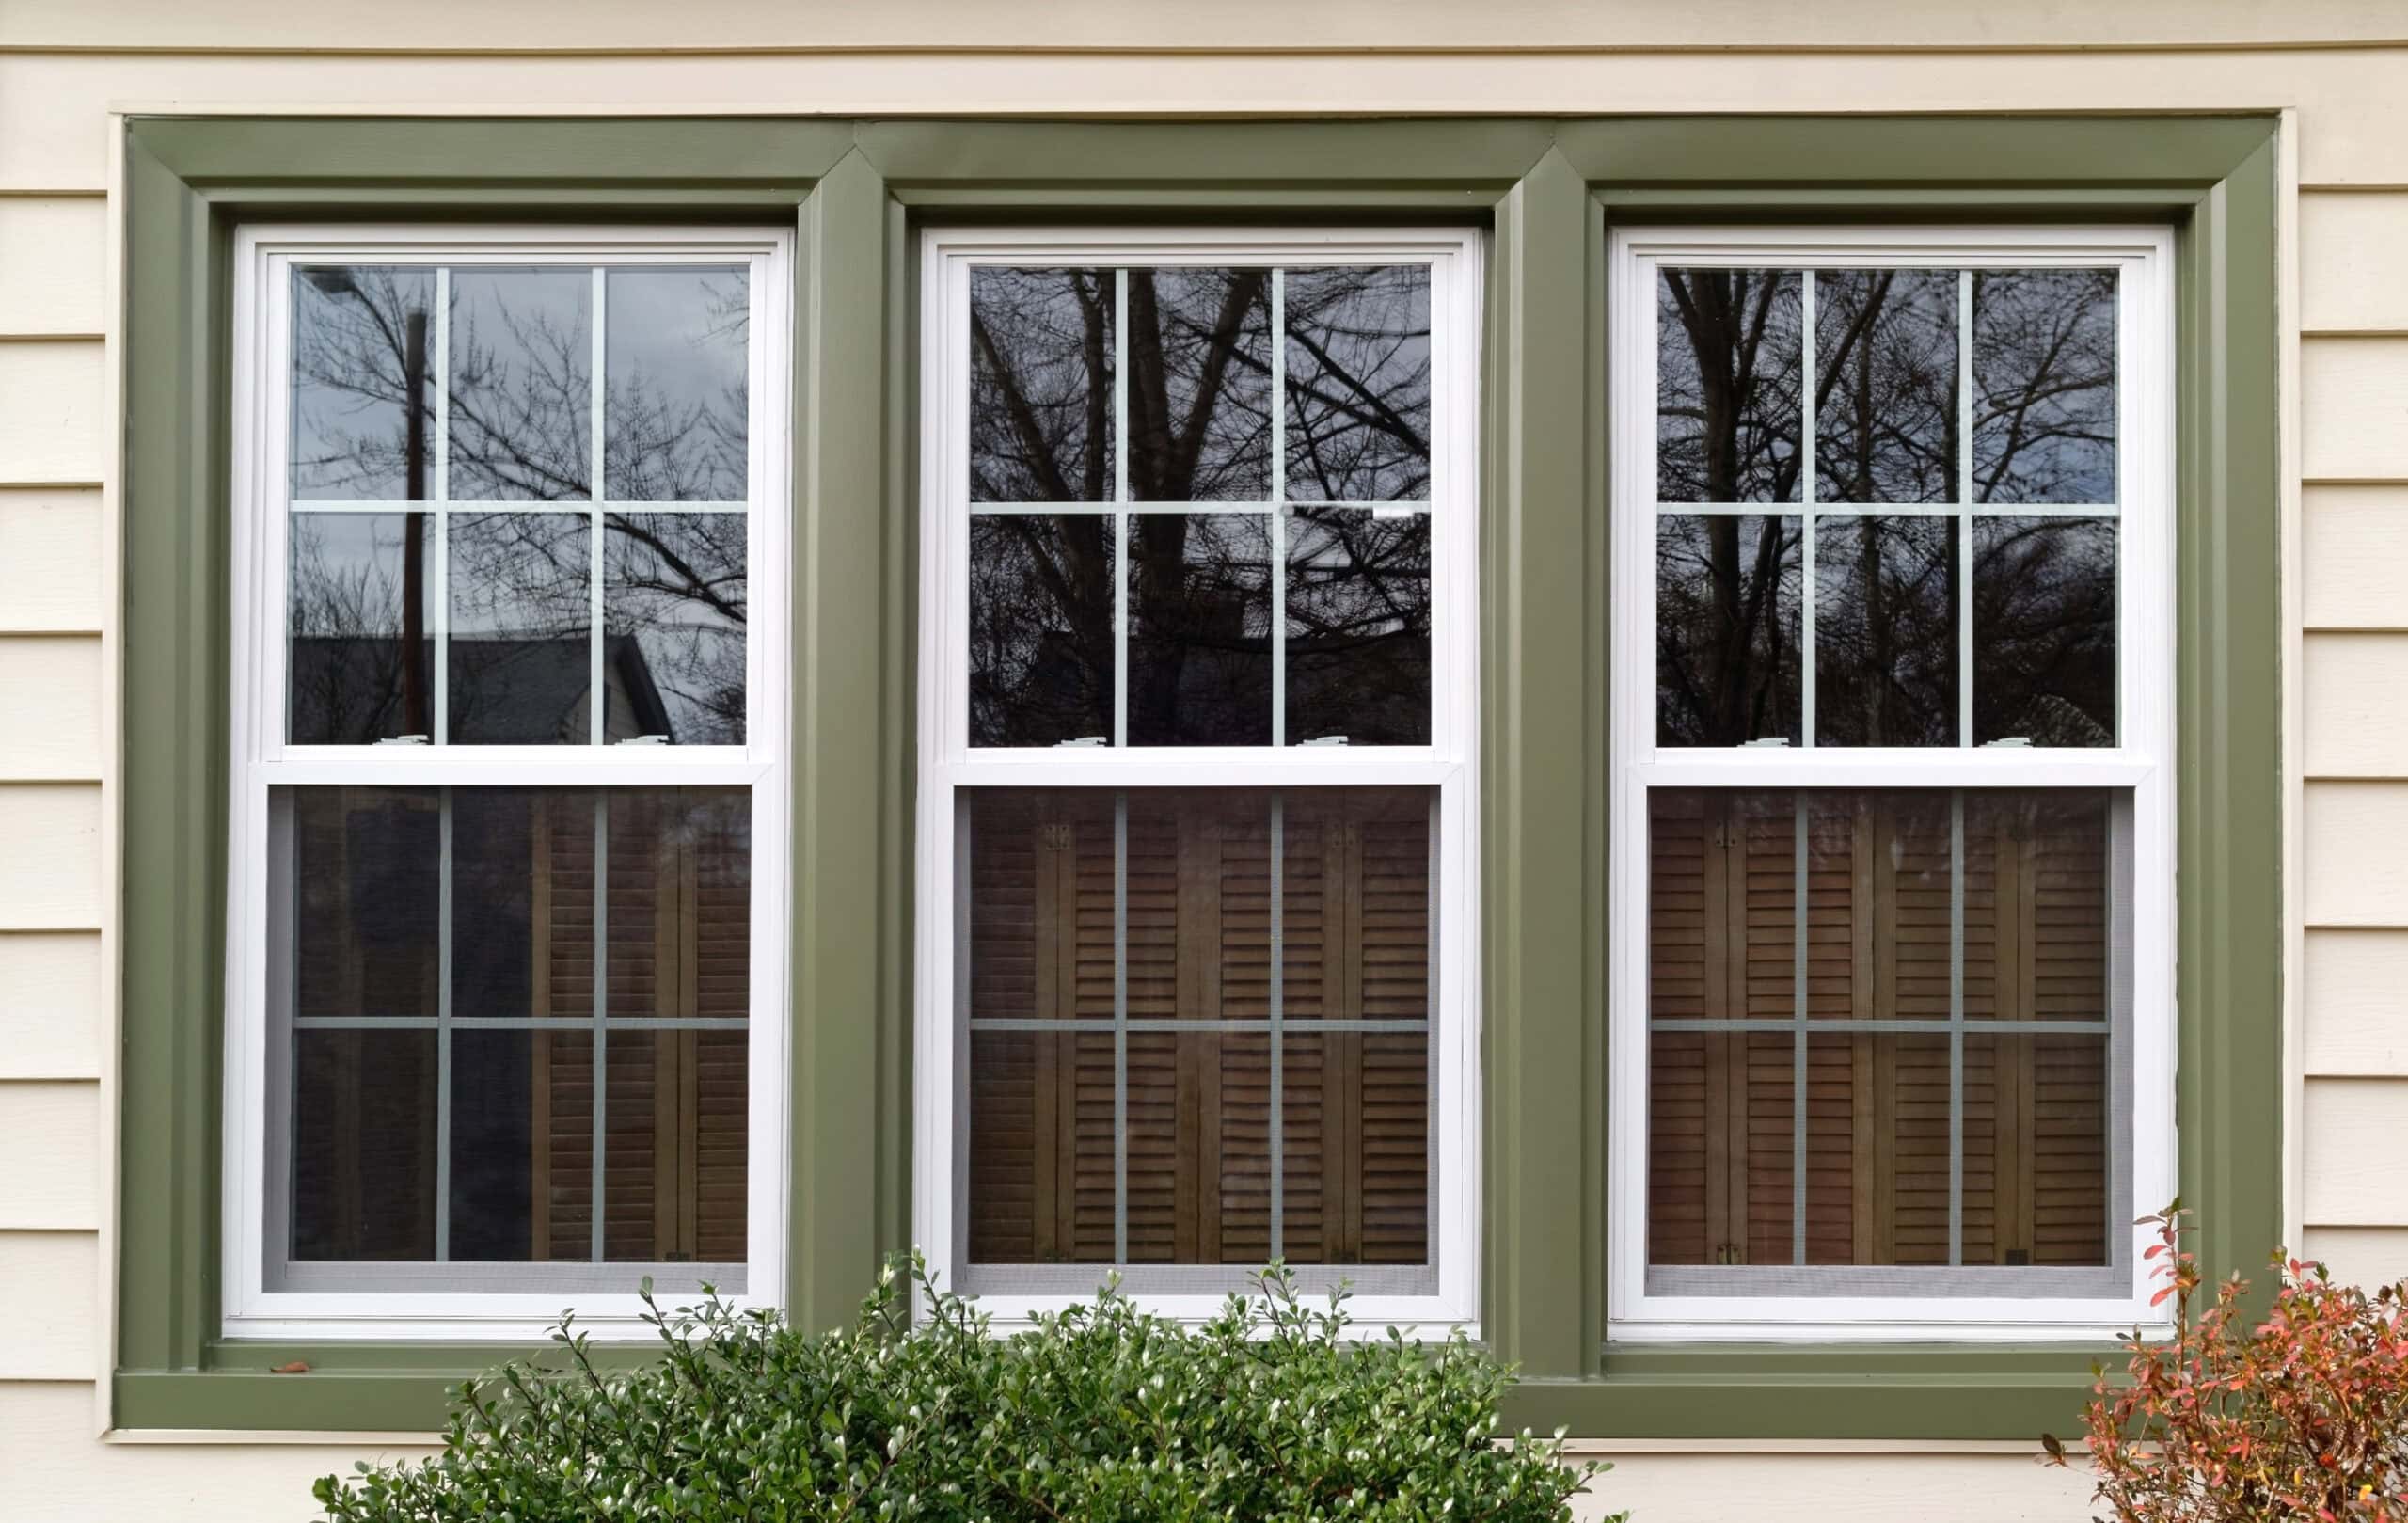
[366, 887]
[2044, 385]
[674, 384]
[678, 900]
[1728, 595]
[1199, 385]
[674, 625]
[522, 372]
[363, 383]
[1885, 631]
[2044, 630]
[360, 658]
[1358, 627]
[493, 1111]
[1358, 383]
[1040, 629]
[1041, 386]
[1885, 363]
[521, 666]
[522, 901]
[1199, 630]
[363, 1144]
[1728, 359]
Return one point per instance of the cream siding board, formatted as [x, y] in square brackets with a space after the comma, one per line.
[50, 265]
[2355, 1177]
[51, 873]
[51, 427]
[2355, 545]
[49, 692]
[52, 993]
[1516, 56]
[53, 1275]
[50, 1133]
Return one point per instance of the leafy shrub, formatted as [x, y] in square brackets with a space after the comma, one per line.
[1102, 1412]
[2303, 1417]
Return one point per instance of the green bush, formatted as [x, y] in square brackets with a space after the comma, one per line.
[1100, 1413]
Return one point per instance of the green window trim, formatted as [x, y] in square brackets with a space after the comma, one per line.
[1546, 189]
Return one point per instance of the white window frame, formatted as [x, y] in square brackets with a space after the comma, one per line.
[262, 760]
[2141, 762]
[947, 762]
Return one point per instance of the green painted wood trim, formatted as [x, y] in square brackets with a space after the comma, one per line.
[1543, 750]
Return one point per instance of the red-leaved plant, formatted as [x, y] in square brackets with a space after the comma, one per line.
[2303, 1415]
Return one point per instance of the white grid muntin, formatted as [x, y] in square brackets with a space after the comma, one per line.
[416, 1301]
[2139, 763]
[948, 762]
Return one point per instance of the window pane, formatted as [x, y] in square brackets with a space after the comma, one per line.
[497, 1076]
[521, 405]
[1728, 596]
[1041, 386]
[1359, 384]
[360, 666]
[1269, 1096]
[2044, 385]
[674, 395]
[1728, 355]
[1358, 627]
[1199, 630]
[674, 627]
[363, 388]
[2044, 630]
[522, 616]
[1199, 385]
[1886, 631]
[1040, 629]
[1937, 928]
[1885, 361]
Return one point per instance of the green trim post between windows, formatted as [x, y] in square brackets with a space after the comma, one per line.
[1546, 190]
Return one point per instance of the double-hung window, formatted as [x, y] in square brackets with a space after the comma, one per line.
[506, 989]
[1196, 941]
[1892, 1030]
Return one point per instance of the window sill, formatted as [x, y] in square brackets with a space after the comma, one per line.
[348, 1387]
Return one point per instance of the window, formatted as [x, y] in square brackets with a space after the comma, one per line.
[1893, 1025]
[1197, 946]
[505, 962]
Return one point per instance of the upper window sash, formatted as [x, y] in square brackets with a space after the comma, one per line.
[2139, 508]
[597, 261]
[1447, 501]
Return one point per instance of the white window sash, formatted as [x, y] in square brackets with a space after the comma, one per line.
[949, 763]
[2139, 764]
[412, 1306]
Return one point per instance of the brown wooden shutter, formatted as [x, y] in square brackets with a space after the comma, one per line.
[1722, 922]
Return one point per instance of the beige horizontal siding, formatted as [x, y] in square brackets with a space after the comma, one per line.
[2354, 552]
[2360, 1255]
[2355, 1147]
[542, 26]
[2353, 117]
[50, 541]
[52, 999]
[50, 875]
[2353, 268]
[2352, 838]
[2356, 725]
[2356, 989]
[49, 689]
[51, 251]
[51, 425]
[56, 1334]
[2354, 408]
[50, 1133]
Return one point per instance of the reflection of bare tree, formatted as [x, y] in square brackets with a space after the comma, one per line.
[357, 667]
[2044, 384]
[519, 412]
[1198, 400]
[2044, 630]
[1727, 601]
[1885, 356]
[1886, 633]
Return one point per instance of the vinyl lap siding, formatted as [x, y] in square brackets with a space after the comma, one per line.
[55, 539]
